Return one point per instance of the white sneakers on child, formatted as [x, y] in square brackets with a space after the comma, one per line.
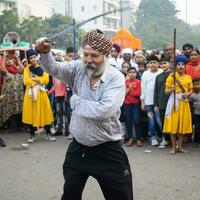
[163, 144]
[31, 139]
[52, 130]
[50, 138]
[154, 142]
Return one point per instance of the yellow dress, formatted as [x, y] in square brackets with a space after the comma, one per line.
[180, 120]
[37, 112]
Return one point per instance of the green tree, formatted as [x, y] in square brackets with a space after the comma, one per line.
[155, 21]
[55, 24]
[32, 28]
[9, 21]
[58, 23]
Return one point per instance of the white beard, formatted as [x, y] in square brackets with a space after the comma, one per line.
[95, 70]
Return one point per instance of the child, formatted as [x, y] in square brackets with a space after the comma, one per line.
[160, 98]
[178, 120]
[195, 100]
[141, 69]
[132, 107]
[59, 88]
[36, 108]
[147, 96]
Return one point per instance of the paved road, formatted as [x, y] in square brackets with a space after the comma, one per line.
[36, 173]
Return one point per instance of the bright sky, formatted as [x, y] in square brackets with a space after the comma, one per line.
[193, 13]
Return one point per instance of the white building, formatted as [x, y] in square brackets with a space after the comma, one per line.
[39, 8]
[82, 10]
[128, 17]
[8, 5]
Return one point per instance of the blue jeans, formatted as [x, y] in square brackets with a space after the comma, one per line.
[153, 119]
[132, 117]
[60, 109]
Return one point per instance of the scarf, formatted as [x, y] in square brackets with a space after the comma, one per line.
[36, 70]
[12, 69]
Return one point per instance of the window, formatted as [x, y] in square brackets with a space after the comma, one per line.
[82, 8]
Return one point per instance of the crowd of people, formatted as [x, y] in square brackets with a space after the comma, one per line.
[31, 100]
[160, 89]
[162, 100]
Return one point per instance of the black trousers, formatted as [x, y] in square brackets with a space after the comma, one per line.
[162, 117]
[107, 163]
[196, 122]
[32, 130]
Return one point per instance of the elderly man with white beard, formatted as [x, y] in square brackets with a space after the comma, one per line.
[99, 91]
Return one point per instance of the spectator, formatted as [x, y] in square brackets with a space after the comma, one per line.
[132, 107]
[12, 88]
[36, 108]
[59, 89]
[178, 120]
[160, 98]
[195, 100]
[148, 85]
[193, 66]
[141, 69]
[127, 57]
[187, 48]
[114, 60]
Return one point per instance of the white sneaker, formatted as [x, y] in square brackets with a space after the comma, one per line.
[69, 137]
[163, 144]
[154, 142]
[31, 140]
[50, 138]
[52, 130]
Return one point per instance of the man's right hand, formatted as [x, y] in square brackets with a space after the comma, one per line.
[43, 45]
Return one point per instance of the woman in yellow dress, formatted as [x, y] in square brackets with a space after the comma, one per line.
[36, 106]
[178, 117]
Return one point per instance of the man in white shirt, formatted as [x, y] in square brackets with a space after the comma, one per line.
[114, 59]
[98, 93]
[127, 55]
[147, 96]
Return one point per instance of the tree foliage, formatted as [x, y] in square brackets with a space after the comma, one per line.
[34, 27]
[9, 21]
[155, 21]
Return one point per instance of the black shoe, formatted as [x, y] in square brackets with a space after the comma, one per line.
[67, 133]
[57, 133]
[2, 143]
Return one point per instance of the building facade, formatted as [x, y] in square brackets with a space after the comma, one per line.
[128, 17]
[82, 10]
[39, 8]
[8, 5]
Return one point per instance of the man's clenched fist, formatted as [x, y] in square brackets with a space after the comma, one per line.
[43, 45]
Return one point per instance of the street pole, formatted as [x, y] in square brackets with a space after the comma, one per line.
[74, 38]
[121, 21]
[186, 14]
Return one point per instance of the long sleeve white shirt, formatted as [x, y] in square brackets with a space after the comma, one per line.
[96, 109]
[148, 84]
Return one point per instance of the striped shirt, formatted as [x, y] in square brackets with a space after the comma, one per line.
[95, 109]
